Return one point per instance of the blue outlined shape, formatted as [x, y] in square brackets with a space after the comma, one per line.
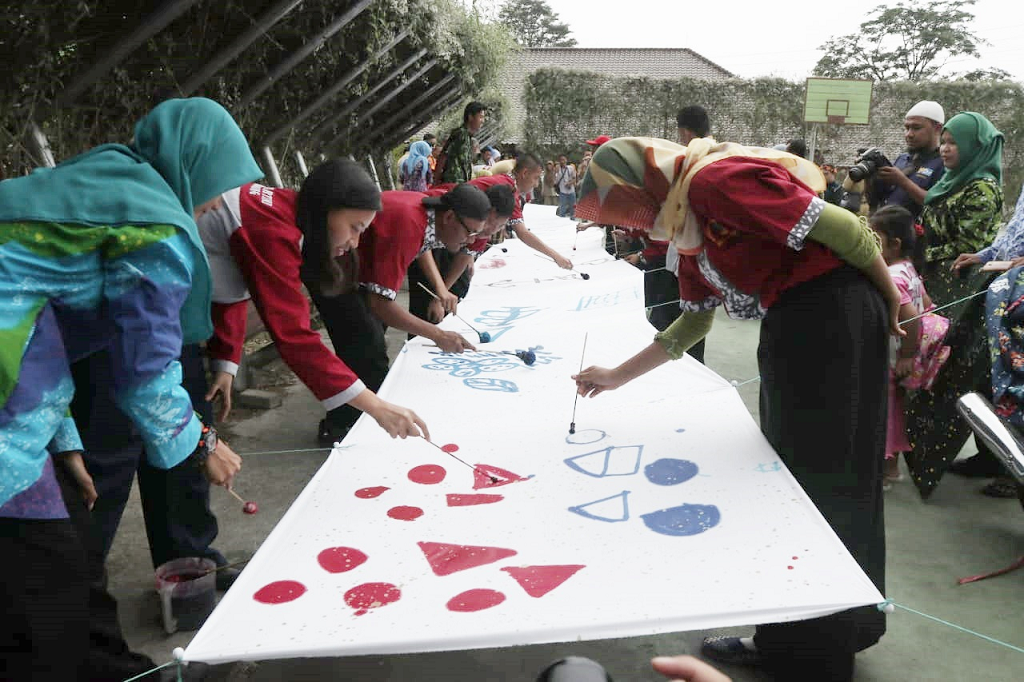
[606, 501]
[769, 467]
[625, 463]
[670, 471]
[489, 384]
[684, 520]
[585, 442]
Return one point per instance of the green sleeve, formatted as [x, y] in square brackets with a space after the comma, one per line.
[846, 235]
[683, 334]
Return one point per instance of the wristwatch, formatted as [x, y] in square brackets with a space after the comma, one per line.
[207, 444]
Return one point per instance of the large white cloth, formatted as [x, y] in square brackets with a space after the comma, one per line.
[666, 510]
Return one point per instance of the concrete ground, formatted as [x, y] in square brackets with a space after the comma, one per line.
[956, 533]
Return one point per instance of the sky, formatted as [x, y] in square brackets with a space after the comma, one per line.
[770, 38]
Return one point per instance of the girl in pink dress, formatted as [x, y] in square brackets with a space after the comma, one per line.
[918, 356]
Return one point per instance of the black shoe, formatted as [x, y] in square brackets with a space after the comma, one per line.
[1001, 487]
[328, 435]
[729, 650]
[978, 466]
[226, 577]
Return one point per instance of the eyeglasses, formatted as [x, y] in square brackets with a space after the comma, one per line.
[469, 233]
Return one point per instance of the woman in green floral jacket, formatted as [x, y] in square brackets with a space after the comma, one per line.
[961, 215]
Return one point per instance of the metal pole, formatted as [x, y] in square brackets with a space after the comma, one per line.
[425, 118]
[229, 53]
[41, 145]
[406, 114]
[812, 147]
[332, 91]
[373, 171]
[151, 25]
[301, 161]
[293, 59]
[394, 93]
[353, 105]
[420, 99]
[390, 171]
[272, 172]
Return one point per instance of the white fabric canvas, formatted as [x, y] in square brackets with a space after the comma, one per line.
[666, 510]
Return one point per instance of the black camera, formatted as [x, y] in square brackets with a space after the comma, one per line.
[869, 161]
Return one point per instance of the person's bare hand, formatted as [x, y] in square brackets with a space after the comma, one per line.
[221, 386]
[594, 380]
[449, 301]
[904, 366]
[891, 175]
[452, 342]
[632, 259]
[435, 312]
[75, 466]
[222, 465]
[399, 422]
[687, 669]
[965, 260]
[1017, 262]
[563, 262]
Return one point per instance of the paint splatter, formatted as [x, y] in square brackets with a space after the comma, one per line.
[450, 448]
[340, 559]
[403, 513]
[680, 430]
[670, 471]
[475, 600]
[472, 500]
[539, 580]
[280, 592]
[370, 493]
[427, 474]
[484, 475]
[686, 519]
[368, 596]
[445, 559]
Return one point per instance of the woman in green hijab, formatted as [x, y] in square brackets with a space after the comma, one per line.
[100, 251]
[962, 213]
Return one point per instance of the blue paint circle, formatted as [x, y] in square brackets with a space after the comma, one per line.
[686, 519]
[573, 439]
[670, 471]
[487, 384]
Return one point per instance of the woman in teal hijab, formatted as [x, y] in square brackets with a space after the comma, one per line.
[962, 214]
[100, 251]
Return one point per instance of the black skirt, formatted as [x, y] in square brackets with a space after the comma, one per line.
[824, 368]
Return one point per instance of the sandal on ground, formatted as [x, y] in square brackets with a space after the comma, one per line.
[1001, 487]
[729, 650]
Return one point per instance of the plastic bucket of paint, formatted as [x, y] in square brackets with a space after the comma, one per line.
[187, 592]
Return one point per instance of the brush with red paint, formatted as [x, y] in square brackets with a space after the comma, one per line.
[247, 507]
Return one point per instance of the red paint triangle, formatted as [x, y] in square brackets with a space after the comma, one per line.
[472, 500]
[445, 559]
[483, 473]
[539, 580]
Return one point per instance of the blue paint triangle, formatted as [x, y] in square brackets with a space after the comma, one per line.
[609, 509]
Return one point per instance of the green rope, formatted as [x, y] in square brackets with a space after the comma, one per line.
[881, 607]
[156, 669]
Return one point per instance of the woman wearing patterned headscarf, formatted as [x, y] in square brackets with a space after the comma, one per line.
[414, 173]
[101, 251]
[961, 215]
[753, 235]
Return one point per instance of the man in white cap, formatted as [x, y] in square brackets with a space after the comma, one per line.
[907, 181]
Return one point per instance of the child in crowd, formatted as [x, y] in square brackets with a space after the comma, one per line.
[920, 354]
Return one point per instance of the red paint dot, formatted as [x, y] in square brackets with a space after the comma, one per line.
[450, 447]
[789, 567]
[280, 592]
[475, 600]
[795, 558]
[427, 474]
[368, 596]
[340, 559]
[405, 513]
[368, 493]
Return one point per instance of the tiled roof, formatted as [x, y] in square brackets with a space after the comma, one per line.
[643, 61]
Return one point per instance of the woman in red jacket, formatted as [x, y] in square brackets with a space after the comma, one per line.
[264, 243]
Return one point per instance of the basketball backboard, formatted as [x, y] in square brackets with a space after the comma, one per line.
[838, 101]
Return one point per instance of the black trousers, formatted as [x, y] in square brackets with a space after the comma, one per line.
[358, 339]
[823, 358]
[58, 620]
[175, 502]
[419, 299]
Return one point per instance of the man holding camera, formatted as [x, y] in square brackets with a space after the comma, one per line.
[909, 178]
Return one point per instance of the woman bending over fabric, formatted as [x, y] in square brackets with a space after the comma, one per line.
[961, 216]
[753, 235]
[100, 252]
[264, 244]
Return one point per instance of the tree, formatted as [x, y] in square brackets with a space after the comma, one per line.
[905, 42]
[534, 24]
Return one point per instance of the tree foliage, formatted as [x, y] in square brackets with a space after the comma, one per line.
[903, 42]
[534, 24]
